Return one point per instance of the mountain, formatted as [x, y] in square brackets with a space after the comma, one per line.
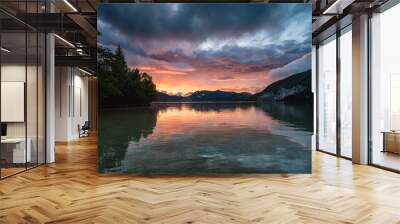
[205, 95]
[164, 97]
[218, 95]
[295, 88]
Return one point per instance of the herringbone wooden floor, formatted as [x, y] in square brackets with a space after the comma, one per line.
[70, 191]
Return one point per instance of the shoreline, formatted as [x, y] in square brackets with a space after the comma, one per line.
[176, 102]
[192, 102]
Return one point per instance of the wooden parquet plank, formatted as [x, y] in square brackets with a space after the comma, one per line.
[71, 191]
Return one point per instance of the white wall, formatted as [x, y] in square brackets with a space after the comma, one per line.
[80, 110]
[33, 126]
[71, 102]
[16, 73]
[62, 83]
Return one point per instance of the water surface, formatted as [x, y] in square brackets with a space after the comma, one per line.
[197, 138]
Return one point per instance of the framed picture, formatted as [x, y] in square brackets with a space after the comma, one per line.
[204, 88]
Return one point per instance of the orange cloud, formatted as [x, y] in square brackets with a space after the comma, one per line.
[223, 74]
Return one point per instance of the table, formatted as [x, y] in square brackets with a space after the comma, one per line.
[13, 150]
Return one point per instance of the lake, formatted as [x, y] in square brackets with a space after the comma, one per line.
[204, 138]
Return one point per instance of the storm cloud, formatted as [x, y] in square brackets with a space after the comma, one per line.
[209, 43]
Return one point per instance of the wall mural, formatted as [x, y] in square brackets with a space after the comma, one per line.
[204, 88]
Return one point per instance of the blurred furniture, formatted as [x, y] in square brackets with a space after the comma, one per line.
[13, 150]
[84, 130]
[391, 141]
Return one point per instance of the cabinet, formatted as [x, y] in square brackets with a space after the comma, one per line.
[391, 142]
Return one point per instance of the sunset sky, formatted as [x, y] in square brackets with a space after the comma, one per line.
[189, 47]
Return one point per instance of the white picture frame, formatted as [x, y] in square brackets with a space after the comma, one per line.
[12, 101]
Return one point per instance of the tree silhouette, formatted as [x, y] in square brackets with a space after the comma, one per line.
[118, 84]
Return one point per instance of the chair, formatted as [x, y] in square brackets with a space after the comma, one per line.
[84, 130]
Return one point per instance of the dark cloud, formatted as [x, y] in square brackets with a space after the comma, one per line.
[239, 59]
[196, 22]
[225, 78]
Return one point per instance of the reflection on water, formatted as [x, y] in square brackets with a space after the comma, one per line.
[189, 138]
